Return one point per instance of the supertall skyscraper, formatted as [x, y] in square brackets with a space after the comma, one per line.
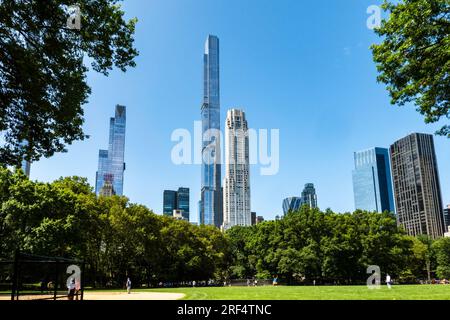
[210, 205]
[417, 189]
[236, 190]
[372, 181]
[111, 165]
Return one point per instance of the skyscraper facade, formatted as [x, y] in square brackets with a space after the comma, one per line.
[447, 217]
[169, 202]
[111, 163]
[183, 202]
[417, 191]
[309, 196]
[210, 205]
[291, 204]
[176, 201]
[236, 193]
[372, 181]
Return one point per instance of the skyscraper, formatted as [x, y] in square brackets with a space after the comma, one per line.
[447, 217]
[291, 204]
[372, 185]
[211, 209]
[236, 193]
[183, 202]
[170, 202]
[176, 201]
[309, 196]
[111, 165]
[417, 191]
[25, 165]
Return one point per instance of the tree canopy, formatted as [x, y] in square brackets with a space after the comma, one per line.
[413, 59]
[117, 238]
[43, 67]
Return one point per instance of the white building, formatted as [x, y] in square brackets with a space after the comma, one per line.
[447, 234]
[236, 190]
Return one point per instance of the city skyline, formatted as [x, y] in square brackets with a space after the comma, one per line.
[279, 87]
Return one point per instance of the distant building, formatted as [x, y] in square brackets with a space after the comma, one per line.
[417, 190]
[26, 167]
[179, 215]
[176, 200]
[372, 185]
[236, 190]
[259, 219]
[253, 218]
[292, 204]
[447, 234]
[447, 216]
[170, 202]
[183, 202]
[111, 164]
[309, 196]
[108, 188]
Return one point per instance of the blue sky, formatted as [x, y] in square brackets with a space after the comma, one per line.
[303, 67]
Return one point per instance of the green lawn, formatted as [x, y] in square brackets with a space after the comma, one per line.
[414, 292]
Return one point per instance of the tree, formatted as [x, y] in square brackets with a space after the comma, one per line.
[414, 58]
[43, 75]
[442, 251]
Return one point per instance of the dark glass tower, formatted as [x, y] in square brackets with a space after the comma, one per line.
[170, 202]
[211, 210]
[111, 164]
[372, 185]
[417, 190]
[183, 202]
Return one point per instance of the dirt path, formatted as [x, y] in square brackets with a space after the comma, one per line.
[132, 296]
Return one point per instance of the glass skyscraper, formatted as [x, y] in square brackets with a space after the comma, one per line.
[372, 182]
[111, 165]
[211, 211]
[170, 202]
[183, 202]
[417, 190]
[176, 200]
[291, 204]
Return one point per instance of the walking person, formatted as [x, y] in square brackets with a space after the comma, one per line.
[389, 281]
[71, 288]
[128, 285]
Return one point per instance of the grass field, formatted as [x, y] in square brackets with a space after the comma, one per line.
[414, 292]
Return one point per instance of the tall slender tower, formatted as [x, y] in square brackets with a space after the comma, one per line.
[111, 165]
[417, 190]
[211, 210]
[236, 194]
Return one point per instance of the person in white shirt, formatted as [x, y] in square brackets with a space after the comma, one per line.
[388, 281]
[71, 288]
